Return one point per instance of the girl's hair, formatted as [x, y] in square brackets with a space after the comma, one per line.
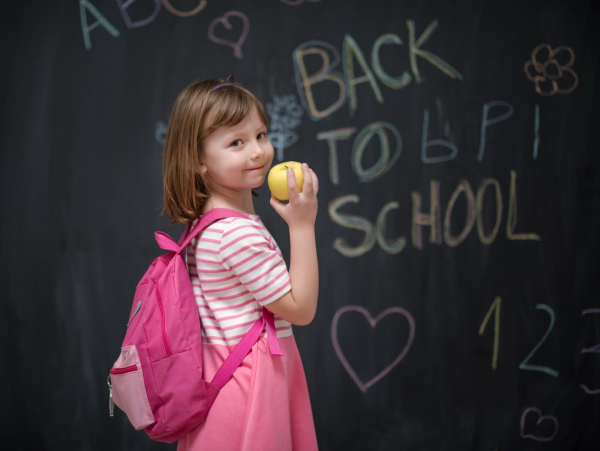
[185, 189]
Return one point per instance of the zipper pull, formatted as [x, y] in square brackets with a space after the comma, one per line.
[137, 308]
[111, 403]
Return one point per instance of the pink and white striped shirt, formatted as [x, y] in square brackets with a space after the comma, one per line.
[236, 268]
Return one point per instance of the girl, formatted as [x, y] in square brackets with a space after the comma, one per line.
[216, 152]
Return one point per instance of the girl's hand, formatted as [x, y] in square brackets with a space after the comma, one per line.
[301, 210]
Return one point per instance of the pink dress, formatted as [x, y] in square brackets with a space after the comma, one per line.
[236, 269]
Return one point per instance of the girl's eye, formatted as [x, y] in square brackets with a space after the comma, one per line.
[233, 143]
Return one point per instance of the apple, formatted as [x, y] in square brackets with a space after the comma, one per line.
[278, 179]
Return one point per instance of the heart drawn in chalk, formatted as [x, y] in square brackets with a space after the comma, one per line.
[237, 46]
[373, 322]
[540, 419]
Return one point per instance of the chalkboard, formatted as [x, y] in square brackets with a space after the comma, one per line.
[456, 145]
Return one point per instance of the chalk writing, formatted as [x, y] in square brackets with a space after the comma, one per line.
[541, 418]
[364, 386]
[511, 222]
[385, 162]
[494, 308]
[594, 349]
[463, 187]
[488, 239]
[486, 121]
[536, 130]
[433, 219]
[347, 82]
[84, 6]
[546, 72]
[237, 45]
[123, 6]
[332, 137]
[173, 10]
[525, 365]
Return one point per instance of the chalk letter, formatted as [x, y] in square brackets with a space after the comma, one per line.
[511, 223]
[414, 49]
[332, 137]
[386, 79]
[384, 163]
[392, 247]
[434, 142]
[175, 11]
[463, 187]
[304, 82]
[480, 195]
[433, 219]
[351, 222]
[140, 23]
[85, 28]
[351, 47]
[485, 121]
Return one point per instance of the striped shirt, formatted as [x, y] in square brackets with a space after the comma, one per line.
[236, 268]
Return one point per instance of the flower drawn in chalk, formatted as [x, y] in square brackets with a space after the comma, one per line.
[285, 113]
[550, 70]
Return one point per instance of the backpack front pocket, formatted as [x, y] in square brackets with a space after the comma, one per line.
[128, 389]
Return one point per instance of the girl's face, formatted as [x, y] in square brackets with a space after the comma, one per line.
[232, 154]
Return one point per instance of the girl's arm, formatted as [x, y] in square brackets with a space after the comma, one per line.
[299, 305]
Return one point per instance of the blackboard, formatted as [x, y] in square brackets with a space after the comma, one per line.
[456, 145]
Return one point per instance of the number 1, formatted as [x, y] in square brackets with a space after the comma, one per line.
[494, 307]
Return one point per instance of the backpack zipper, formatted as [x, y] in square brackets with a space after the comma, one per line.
[127, 369]
[162, 320]
[137, 308]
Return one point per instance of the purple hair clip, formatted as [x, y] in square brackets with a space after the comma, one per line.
[221, 85]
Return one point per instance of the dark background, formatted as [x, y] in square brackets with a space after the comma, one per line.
[81, 194]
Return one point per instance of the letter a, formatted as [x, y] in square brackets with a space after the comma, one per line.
[85, 28]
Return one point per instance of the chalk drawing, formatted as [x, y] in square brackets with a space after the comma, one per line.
[84, 6]
[536, 130]
[364, 386]
[305, 82]
[237, 46]
[285, 114]
[351, 222]
[488, 239]
[545, 72]
[486, 121]
[386, 79]
[332, 137]
[123, 6]
[160, 132]
[415, 50]
[351, 48]
[179, 13]
[494, 308]
[526, 366]
[511, 222]
[463, 187]
[433, 219]
[595, 349]
[541, 418]
[385, 162]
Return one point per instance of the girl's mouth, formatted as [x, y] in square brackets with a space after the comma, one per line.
[256, 169]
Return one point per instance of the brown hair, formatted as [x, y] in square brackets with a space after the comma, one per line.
[185, 189]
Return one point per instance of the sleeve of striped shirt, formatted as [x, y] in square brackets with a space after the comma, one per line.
[254, 259]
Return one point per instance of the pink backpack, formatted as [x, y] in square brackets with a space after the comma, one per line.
[157, 379]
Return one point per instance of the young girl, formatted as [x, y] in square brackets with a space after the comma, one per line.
[216, 152]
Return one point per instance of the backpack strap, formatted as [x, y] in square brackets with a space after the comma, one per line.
[236, 357]
[167, 243]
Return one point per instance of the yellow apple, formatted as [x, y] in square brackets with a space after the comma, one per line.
[278, 179]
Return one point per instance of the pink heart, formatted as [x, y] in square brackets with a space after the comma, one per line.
[373, 323]
[237, 46]
[540, 419]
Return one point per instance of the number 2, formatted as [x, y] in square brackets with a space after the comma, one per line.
[524, 365]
